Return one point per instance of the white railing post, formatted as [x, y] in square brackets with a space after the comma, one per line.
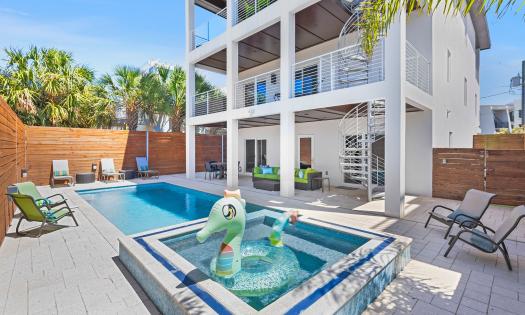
[207, 102]
[256, 7]
[332, 73]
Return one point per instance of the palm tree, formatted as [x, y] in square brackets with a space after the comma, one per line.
[47, 87]
[126, 87]
[155, 98]
[378, 15]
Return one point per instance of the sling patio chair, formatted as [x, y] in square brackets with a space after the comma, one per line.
[34, 211]
[489, 243]
[108, 170]
[472, 207]
[61, 172]
[143, 170]
[29, 189]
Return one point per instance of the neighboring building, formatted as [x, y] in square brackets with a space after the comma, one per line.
[301, 92]
[495, 117]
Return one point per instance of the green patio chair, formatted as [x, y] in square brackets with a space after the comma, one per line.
[29, 189]
[34, 211]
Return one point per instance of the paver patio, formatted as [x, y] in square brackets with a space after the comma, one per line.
[74, 270]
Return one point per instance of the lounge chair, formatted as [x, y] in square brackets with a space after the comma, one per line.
[29, 189]
[143, 168]
[108, 170]
[489, 243]
[472, 207]
[40, 209]
[61, 172]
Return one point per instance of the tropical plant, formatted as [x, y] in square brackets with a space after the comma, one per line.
[47, 87]
[125, 87]
[378, 15]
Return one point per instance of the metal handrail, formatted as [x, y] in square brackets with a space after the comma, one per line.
[271, 93]
[202, 33]
[244, 9]
[418, 69]
[212, 101]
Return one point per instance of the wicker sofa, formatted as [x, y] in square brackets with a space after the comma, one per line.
[305, 182]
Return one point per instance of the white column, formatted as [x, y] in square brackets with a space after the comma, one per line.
[190, 151]
[232, 72]
[232, 153]
[287, 53]
[230, 11]
[190, 23]
[395, 123]
[287, 153]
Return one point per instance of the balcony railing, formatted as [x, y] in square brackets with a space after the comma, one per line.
[418, 69]
[210, 29]
[209, 102]
[248, 8]
[261, 89]
[343, 68]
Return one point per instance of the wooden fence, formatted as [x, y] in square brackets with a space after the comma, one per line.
[500, 142]
[498, 171]
[34, 148]
[12, 152]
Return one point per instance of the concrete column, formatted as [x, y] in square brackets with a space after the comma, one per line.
[395, 123]
[232, 72]
[190, 23]
[231, 12]
[232, 153]
[287, 153]
[190, 151]
[287, 53]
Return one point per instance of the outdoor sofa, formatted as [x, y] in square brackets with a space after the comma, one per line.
[304, 178]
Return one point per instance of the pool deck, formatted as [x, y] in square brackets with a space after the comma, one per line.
[74, 270]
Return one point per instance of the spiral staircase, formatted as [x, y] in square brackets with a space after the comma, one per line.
[364, 124]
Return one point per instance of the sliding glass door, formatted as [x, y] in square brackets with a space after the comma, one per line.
[255, 154]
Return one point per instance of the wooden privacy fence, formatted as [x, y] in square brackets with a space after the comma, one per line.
[12, 153]
[34, 149]
[498, 171]
[500, 142]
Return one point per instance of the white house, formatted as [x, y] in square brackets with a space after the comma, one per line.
[301, 91]
[494, 117]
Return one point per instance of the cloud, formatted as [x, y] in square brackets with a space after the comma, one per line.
[13, 12]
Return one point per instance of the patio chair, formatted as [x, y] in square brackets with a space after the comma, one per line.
[210, 170]
[472, 207]
[34, 211]
[108, 170]
[489, 243]
[29, 189]
[143, 168]
[61, 172]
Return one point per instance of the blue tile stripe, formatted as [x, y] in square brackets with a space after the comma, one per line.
[190, 284]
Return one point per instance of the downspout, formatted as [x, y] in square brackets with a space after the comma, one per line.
[147, 146]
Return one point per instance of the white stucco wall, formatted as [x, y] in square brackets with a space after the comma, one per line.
[418, 173]
[454, 34]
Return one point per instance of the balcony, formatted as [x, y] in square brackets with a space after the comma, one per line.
[248, 8]
[209, 102]
[258, 90]
[418, 69]
[340, 69]
[210, 29]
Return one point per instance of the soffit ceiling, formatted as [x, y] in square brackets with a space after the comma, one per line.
[316, 24]
[211, 5]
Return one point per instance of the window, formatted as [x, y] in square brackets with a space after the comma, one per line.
[449, 65]
[306, 81]
[465, 92]
[261, 92]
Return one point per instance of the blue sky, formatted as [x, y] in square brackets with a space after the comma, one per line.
[103, 34]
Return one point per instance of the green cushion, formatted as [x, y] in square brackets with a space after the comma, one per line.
[257, 170]
[267, 176]
[301, 180]
[61, 173]
[275, 170]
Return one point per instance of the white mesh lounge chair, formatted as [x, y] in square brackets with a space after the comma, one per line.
[108, 170]
[61, 172]
[143, 168]
[486, 242]
[472, 207]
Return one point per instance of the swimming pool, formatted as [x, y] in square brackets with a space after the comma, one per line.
[139, 208]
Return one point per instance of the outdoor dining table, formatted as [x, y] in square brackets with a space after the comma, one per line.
[221, 167]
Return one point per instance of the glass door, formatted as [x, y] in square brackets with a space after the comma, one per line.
[261, 152]
[250, 155]
[305, 152]
[255, 153]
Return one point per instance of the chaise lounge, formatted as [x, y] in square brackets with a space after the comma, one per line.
[268, 177]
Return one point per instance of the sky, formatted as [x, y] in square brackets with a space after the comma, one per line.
[103, 34]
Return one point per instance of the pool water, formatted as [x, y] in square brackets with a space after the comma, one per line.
[135, 209]
[315, 248]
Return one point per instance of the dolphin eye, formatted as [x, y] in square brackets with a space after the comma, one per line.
[229, 211]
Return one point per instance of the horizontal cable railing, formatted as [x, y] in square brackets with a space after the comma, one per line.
[212, 28]
[209, 102]
[343, 68]
[261, 89]
[247, 8]
[418, 69]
